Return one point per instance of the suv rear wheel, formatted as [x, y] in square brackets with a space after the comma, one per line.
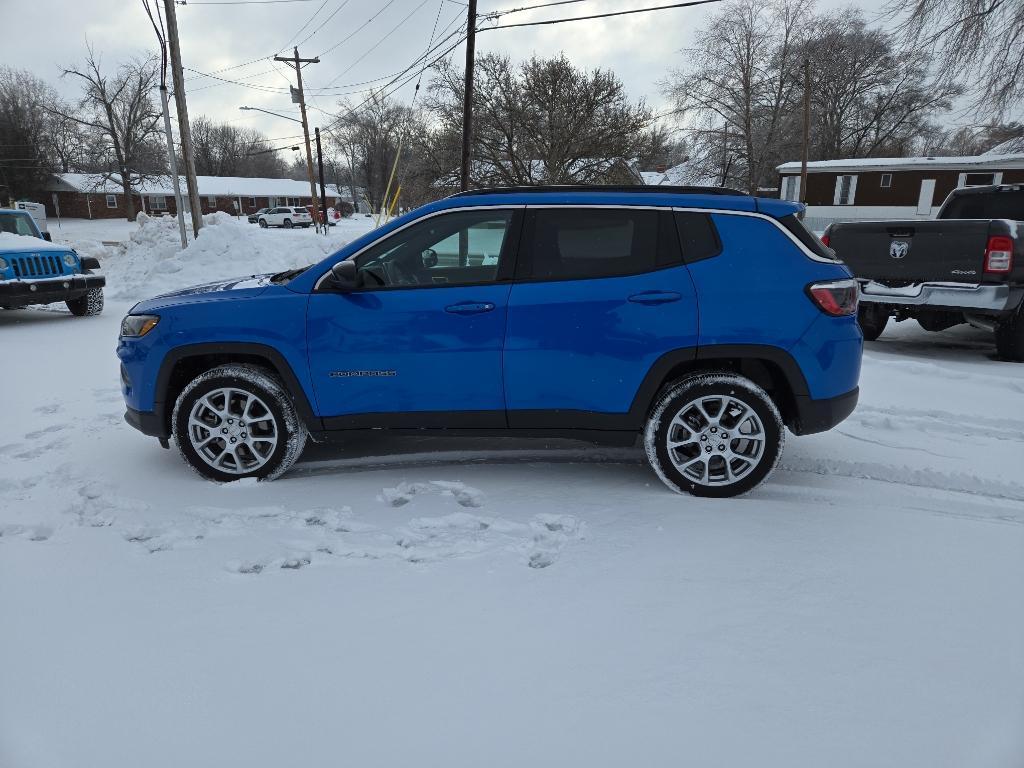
[714, 434]
[236, 421]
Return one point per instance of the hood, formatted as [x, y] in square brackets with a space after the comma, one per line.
[12, 243]
[236, 288]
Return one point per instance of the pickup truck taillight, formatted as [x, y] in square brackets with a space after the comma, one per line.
[999, 254]
[837, 298]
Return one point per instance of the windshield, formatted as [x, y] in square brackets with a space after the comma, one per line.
[17, 224]
[1006, 204]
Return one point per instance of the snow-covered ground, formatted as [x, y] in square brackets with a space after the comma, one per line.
[419, 601]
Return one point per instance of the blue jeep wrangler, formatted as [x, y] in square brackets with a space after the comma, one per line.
[34, 270]
[703, 319]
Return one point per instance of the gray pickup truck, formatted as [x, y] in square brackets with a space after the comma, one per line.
[966, 266]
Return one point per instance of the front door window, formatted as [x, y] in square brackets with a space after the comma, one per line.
[461, 248]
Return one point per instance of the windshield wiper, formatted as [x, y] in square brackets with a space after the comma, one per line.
[284, 277]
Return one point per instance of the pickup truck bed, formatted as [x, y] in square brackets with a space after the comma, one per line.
[965, 266]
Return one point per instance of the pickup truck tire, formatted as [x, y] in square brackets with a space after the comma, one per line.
[1010, 337]
[715, 435]
[872, 320]
[235, 422]
[87, 306]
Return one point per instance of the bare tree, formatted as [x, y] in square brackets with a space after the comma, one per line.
[121, 112]
[869, 97]
[25, 160]
[742, 79]
[222, 149]
[543, 121]
[983, 39]
[371, 137]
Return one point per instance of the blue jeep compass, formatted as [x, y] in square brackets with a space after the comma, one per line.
[702, 319]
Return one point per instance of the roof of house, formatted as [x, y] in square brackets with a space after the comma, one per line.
[1009, 147]
[220, 186]
[909, 163]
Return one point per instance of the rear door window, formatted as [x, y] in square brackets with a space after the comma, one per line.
[1008, 204]
[583, 243]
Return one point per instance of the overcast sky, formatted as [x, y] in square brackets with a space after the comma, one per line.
[640, 48]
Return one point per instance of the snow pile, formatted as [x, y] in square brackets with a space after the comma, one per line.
[153, 262]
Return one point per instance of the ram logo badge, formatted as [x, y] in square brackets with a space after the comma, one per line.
[898, 248]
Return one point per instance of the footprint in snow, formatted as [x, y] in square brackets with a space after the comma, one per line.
[403, 493]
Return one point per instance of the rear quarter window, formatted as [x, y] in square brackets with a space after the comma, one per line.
[698, 237]
[807, 238]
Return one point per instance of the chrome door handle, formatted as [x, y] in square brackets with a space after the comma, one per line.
[655, 297]
[469, 308]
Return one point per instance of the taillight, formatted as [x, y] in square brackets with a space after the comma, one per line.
[824, 239]
[999, 254]
[837, 298]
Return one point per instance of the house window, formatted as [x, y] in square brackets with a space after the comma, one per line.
[977, 179]
[211, 201]
[886, 180]
[158, 202]
[846, 188]
[252, 202]
[111, 201]
[791, 188]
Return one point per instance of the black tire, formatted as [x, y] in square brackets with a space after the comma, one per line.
[1010, 337]
[273, 414]
[263, 223]
[87, 306]
[872, 320]
[671, 421]
[287, 224]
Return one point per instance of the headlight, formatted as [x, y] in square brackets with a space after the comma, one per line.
[138, 325]
[70, 260]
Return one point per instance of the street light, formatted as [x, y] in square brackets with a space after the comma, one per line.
[268, 112]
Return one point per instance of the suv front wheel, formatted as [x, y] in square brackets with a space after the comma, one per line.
[714, 435]
[235, 422]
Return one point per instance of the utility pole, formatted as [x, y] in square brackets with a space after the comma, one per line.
[467, 103]
[184, 130]
[296, 62]
[807, 134]
[175, 181]
[323, 187]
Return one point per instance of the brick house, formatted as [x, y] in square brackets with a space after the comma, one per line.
[893, 187]
[90, 196]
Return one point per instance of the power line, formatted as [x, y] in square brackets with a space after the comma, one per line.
[359, 28]
[373, 47]
[314, 33]
[496, 14]
[237, 2]
[600, 15]
[303, 27]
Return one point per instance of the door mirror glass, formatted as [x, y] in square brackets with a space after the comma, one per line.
[343, 276]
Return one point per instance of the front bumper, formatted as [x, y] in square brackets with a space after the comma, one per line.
[969, 296]
[820, 415]
[22, 292]
[147, 422]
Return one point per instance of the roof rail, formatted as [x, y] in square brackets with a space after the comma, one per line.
[630, 189]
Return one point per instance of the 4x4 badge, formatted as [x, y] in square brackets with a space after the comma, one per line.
[898, 248]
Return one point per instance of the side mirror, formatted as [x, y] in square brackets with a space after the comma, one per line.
[343, 276]
[47, 237]
[429, 258]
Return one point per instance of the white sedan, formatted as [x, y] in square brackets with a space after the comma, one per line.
[287, 217]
